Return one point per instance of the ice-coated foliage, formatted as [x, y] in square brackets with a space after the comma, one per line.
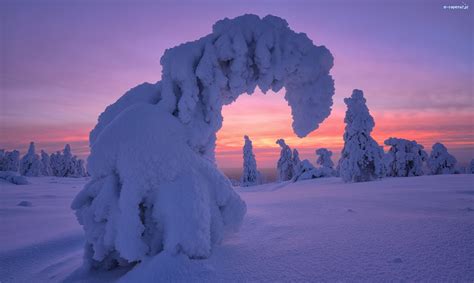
[440, 161]
[45, 164]
[250, 175]
[362, 159]
[405, 158]
[154, 184]
[285, 162]
[325, 162]
[148, 194]
[13, 177]
[30, 164]
[9, 160]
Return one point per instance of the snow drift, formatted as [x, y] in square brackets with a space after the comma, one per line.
[155, 186]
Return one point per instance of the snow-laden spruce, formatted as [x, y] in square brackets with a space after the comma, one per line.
[155, 185]
[362, 159]
[250, 175]
[45, 164]
[325, 162]
[295, 158]
[470, 168]
[285, 162]
[405, 158]
[30, 163]
[440, 161]
[9, 160]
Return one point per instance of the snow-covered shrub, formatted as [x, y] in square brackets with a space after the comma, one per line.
[45, 164]
[30, 164]
[324, 160]
[362, 159]
[405, 158]
[154, 182]
[470, 169]
[13, 177]
[307, 171]
[285, 162]
[148, 195]
[250, 175]
[440, 161]
[9, 160]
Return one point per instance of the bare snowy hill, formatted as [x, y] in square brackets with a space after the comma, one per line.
[409, 229]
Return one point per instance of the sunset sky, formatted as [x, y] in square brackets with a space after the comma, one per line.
[62, 63]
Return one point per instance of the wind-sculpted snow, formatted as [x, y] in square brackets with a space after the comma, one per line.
[154, 184]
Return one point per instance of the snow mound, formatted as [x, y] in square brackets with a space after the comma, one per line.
[148, 195]
[13, 177]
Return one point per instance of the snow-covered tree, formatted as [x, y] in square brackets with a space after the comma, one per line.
[470, 169]
[80, 168]
[325, 162]
[154, 185]
[45, 164]
[362, 159]
[250, 175]
[296, 161]
[9, 160]
[404, 158]
[66, 165]
[285, 162]
[440, 161]
[30, 164]
[55, 161]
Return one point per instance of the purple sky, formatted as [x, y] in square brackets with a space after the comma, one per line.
[63, 62]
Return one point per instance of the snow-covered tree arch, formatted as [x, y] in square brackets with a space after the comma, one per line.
[154, 182]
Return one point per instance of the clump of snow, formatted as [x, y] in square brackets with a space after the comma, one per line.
[13, 177]
[361, 158]
[25, 203]
[9, 160]
[285, 162]
[405, 158]
[250, 176]
[440, 161]
[325, 162]
[30, 164]
[150, 192]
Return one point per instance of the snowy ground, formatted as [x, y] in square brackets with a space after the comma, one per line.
[408, 229]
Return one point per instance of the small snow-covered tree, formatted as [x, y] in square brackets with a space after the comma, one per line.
[9, 160]
[55, 161]
[440, 161]
[30, 164]
[405, 158]
[250, 175]
[285, 163]
[296, 161]
[80, 168]
[45, 164]
[361, 158]
[325, 162]
[306, 171]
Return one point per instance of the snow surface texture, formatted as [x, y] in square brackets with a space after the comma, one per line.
[362, 159]
[148, 195]
[414, 229]
[157, 188]
[440, 161]
[250, 175]
[405, 158]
